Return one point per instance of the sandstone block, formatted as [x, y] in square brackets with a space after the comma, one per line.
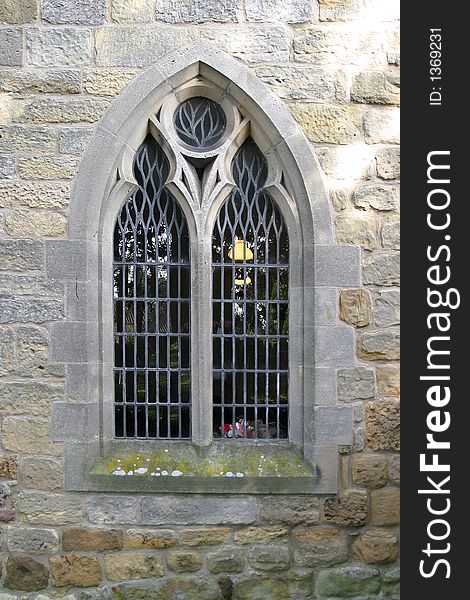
[382, 126]
[7, 351]
[80, 12]
[340, 199]
[41, 473]
[26, 310]
[388, 380]
[385, 506]
[298, 11]
[54, 47]
[60, 110]
[24, 138]
[354, 161]
[111, 509]
[25, 574]
[376, 546]
[261, 535]
[185, 561]
[390, 234]
[329, 123]
[7, 515]
[9, 467]
[132, 11]
[303, 82]
[324, 546]
[78, 538]
[49, 509]
[73, 140]
[18, 11]
[357, 229]
[376, 87]
[395, 469]
[21, 223]
[355, 383]
[132, 565]
[107, 82]
[379, 345]
[269, 558]
[387, 308]
[370, 470]
[47, 167]
[294, 510]
[377, 197]
[7, 167]
[203, 536]
[11, 47]
[383, 425]
[27, 435]
[355, 307]
[348, 582]
[21, 255]
[226, 560]
[29, 398]
[31, 539]
[340, 10]
[388, 162]
[31, 81]
[282, 587]
[348, 510]
[151, 539]
[381, 269]
[37, 194]
[76, 570]
[188, 11]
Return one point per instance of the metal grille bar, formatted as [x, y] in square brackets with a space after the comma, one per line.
[250, 265]
[152, 307]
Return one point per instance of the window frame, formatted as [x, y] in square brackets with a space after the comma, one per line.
[318, 268]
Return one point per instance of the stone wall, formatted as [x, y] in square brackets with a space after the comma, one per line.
[335, 64]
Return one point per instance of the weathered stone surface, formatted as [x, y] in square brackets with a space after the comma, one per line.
[349, 510]
[25, 574]
[376, 546]
[348, 582]
[357, 229]
[27, 224]
[29, 398]
[21, 255]
[391, 584]
[269, 558]
[260, 535]
[393, 47]
[27, 310]
[395, 469]
[282, 587]
[354, 161]
[294, 510]
[376, 87]
[378, 197]
[24, 138]
[132, 11]
[7, 350]
[329, 123]
[190, 11]
[184, 561]
[355, 383]
[202, 536]
[299, 82]
[47, 167]
[226, 560]
[340, 10]
[324, 546]
[387, 308]
[73, 140]
[29, 81]
[383, 425]
[170, 588]
[49, 509]
[41, 473]
[132, 565]
[60, 110]
[298, 11]
[151, 539]
[9, 467]
[203, 510]
[340, 199]
[7, 515]
[253, 43]
[390, 234]
[341, 45]
[7, 167]
[382, 126]
[111, 509]
[36, 194]
[379, 345]
[81, 12]
[388, 162]
[355, 307]
[370, 470]
[32, 540]
[72, 569]
[50, 47]
[381, 269]
[11, 47]
[31, 285]
[27, 435]
[135, 46]
[78, 538]
[385, 506]
[18, 11]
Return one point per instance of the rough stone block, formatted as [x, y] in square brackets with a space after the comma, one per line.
[382, 126]
[342, 10]
[261, 535]
[47, 167]
[356, 383]
[7, 515]
[25, 574]
[9, 467]
[185, 561]
[37, 194]
[348, 582]
[11, 47]
[132, 11]
[31, 540]
[132, 565]
[376, 87]
[376, 546]
[7, 350]
[334, 346]
[203, 536]
[21, 223]
[327, 123]
[182, 586]
[383, 425]
[41, 473]
[393, 47]
[85, 540]
[7, 167]
[30, 81]
[385, 506]
[360, 230]
[27, 435]
[27, 310]
[302, 82]
[73, 140]
[395, 469]
[111, 509]
[19, 397]
[355, 307]
[253, 43]
[324, 546]
[226, 560]
[348, 510]
[379, 345]
[387, 308]
[18, 11]
[377, 197]
[294, 510]
[340, 199]
[80, 12]
[388, 162]
[390, 234]
[151, 539]
[381, 269]
[24, 138]
[51, 47]
[369, 470]
[354, 161]
[60, 110]
[76, 570]
[21, 255]
[201, 510]
[284, 586]
[49, 509]
[197, 11]
[388, 380]
[269, 558]
[291, 11]
[337, 266]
